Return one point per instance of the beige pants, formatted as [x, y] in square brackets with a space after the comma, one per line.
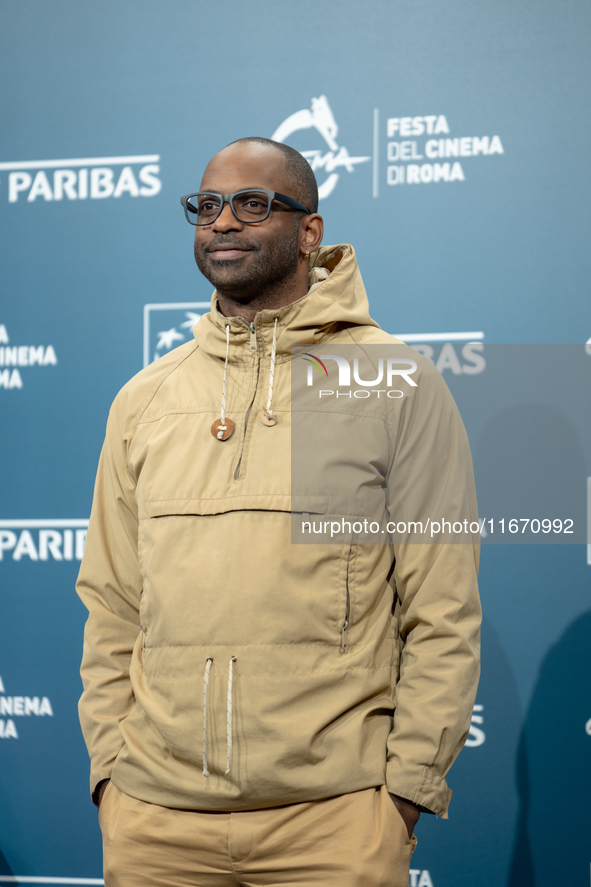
[354, 840]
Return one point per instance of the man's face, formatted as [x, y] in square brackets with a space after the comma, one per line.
[240, 260]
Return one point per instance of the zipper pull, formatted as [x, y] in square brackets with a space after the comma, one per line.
[253, 337]
[345, 637]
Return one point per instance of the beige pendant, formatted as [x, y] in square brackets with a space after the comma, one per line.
[267, 418]
[222, 430]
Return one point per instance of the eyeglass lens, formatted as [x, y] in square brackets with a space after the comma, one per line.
[249, 206]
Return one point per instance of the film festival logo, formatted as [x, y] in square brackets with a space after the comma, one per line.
[12, 707]
[168, 325]
[14, 357]
[419, 149]
[406, 148]
[320, 117]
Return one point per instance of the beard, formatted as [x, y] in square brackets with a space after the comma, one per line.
[270, 266]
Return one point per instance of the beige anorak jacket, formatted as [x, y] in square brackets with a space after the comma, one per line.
[214, 669]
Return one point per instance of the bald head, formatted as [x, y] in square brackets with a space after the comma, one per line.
[289, 170]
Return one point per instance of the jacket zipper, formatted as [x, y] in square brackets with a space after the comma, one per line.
[253, 348]
[345, 629]
[253, 336]
[345, 625]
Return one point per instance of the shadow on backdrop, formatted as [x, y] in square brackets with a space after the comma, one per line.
[475, 845]
[4, 867]
[553, 768]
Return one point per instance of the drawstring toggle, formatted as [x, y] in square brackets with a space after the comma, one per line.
[267, 417]
[222, 430]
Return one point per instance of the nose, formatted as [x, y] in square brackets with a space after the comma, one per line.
[227, 221]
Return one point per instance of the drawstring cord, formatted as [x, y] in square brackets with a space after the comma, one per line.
[229, 713]
[225, 385]
[205, 695]
[266, 415]
[223, 427]
[272, 369]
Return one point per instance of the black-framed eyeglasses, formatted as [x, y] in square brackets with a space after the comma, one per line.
[251, 205]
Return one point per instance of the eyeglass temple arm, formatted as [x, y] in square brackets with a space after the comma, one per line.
[291, 202]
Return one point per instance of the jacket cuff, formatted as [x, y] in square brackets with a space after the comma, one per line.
[422, 786]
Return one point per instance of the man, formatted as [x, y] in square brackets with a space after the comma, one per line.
[246, 713]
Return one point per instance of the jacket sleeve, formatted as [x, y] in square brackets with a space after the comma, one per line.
[437, 615]
[109, 584]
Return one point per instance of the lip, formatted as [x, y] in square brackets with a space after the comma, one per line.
[223, 252]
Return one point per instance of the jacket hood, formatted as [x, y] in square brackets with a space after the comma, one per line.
[336, 297]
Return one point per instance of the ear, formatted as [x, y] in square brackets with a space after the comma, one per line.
[311, 231]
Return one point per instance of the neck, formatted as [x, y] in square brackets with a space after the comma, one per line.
[247, 305]
[231, 307]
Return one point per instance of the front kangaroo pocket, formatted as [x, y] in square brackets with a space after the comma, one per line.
[236, 578]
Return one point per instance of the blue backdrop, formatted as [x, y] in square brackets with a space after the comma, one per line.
[451, 143]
